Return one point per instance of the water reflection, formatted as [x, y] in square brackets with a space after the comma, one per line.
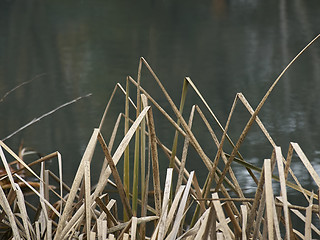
[225, 47]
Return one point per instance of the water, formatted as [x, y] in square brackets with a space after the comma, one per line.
[80, 47]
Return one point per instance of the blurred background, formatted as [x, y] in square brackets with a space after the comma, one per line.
[72, 48]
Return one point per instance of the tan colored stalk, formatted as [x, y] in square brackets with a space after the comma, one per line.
[201, 232]
[173, 208]
[126, 165]
[76, 183]
[269, 197]
[107, 107]
[144, 178]
[184, 152]
[104, 179]
[244, 214]
[6, 208]
[165, 204]
[120, 187]
[182, 206]
[283, 190]
[155, 163]
[300, 215]
[163, 112]
[136, 160]
[7, 169]
[24, 214]
[111, 142]
[101, 184]
[307, 226]
[134, 225]
[220, 215]
[5, 147]
[193, 140]
[306, 163]
[220, 153]
[176, 135]
[87, 188]
[216, 120]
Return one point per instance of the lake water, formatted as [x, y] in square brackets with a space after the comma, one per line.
[72, 48]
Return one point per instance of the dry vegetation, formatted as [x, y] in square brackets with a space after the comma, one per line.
[85, 211]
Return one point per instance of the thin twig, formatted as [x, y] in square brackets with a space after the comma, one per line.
[20, 85]
[45, 115]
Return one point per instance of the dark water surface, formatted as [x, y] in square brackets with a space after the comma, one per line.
[80, 47]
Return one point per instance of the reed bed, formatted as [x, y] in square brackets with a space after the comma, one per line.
[219, 208]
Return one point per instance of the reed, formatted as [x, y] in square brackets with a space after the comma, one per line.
[86, 210]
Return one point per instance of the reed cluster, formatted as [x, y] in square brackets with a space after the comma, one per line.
[219, 209]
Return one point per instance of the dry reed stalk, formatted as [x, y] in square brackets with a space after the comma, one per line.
[144, 173]
[7, 209]
[136, 160]
[176, 135]
[165, 203]
[104, 179]
[198, 193]
[244, 215]
[24, 214]
[118, 153]
[126, 164]
[211, 112]
[300, 215]
[202, 229]
[219, 153]
[111, 142]
[126, 229]
[120, 187]
[139, 221]
[106, 211]
[76, 183]
[269, 197]
[221, 217]
[283, 190]
[184, 152]
[306, 163]
[307, 227]
[7, 169]
[5, 147]
[107, 107]
[173, 208]
[134, 228]
[197, 146]
[217, 121]
[87, 202]
[155, 163]
[176, 224]
[263, 195]
[114, 132]
[163, 112]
